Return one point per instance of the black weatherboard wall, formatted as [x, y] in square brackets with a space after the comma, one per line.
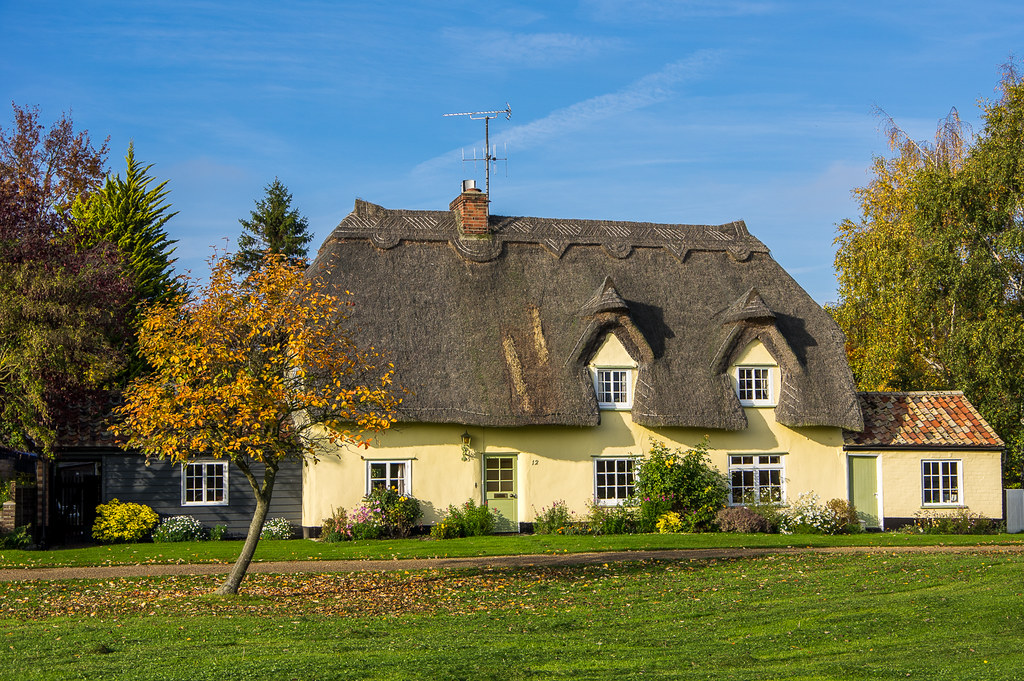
[127, 478]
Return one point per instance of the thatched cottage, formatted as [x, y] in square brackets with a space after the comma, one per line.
[544, 355]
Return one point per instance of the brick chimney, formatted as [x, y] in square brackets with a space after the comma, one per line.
[470, 208]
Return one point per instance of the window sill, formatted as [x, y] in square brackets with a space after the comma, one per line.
[204, 503]
[614, 407]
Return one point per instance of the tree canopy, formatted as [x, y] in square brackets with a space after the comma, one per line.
[274, 227]
[49, 170]
[131, 214]
[62, 327]
[930, 276]
[256, 369]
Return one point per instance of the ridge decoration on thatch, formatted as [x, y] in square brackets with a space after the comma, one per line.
[386, 228]
[499, 332]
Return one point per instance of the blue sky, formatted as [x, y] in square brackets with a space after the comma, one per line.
[691, 111]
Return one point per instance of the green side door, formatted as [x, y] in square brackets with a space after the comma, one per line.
[863, 472]
[501, 492]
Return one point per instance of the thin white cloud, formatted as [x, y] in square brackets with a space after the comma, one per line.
[661, 10]
[651, 89]
[529, 49]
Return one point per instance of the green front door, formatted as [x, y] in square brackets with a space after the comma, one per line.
[864, 488]
[500, 490]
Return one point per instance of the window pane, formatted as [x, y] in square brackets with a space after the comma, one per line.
[613, 479]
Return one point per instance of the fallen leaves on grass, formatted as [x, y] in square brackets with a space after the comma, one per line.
[614, 586]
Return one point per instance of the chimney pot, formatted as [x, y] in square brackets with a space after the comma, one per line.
[470, 209]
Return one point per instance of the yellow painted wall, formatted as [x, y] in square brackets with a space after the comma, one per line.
[557, 462]
[981, 476]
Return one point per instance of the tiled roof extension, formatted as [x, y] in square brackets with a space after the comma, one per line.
[921, 419]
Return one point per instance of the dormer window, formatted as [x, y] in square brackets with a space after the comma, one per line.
[614, 388]
[754, 386]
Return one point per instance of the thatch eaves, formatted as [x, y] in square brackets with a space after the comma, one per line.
[498, 331]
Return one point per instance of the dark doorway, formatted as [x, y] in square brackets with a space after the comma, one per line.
[76, 493]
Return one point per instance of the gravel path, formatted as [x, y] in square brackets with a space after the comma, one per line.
[322, 566]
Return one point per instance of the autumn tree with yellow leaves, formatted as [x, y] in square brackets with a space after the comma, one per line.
[258, 369]
[931, 276]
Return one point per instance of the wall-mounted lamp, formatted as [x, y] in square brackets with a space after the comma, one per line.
[467, 451]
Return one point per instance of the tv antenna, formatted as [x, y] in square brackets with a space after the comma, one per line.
[489, 154]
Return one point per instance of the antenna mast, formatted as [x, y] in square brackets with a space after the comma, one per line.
[489, 154]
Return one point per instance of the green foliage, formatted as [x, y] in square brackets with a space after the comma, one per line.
[131, 215]
[742, 519]
[179, 528]
[931, 277]
[61, 324]
[274, 227]
[18, 538]
[218, 532]
[123, 522]
[555, 519]
[616, 519]
[684, 482]
[467, 520]
[669, 522]
[960, 521]
[276, 528]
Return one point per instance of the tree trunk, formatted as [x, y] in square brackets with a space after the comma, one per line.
[230, 585]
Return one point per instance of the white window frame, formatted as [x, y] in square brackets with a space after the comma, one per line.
[627, 373]
[627, 462]
[207, 493]
[758, 464]
[954, 491]
[769, 390]
[404, 478]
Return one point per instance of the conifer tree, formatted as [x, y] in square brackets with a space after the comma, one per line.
[274, 227]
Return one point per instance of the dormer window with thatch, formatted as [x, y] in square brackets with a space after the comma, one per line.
[614, 388]
[754, 386]
[614, 373]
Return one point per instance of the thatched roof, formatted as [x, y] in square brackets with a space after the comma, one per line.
[498, 331]
[916, 420]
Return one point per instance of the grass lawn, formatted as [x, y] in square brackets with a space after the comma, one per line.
[804, 616]
[227, 551]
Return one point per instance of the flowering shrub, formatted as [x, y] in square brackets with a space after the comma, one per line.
[669, 522]
[683, 482]
[218, 532]
[179, 528]
[276, 528]
[467, 520]
[807, 516]
[960, 521]
[117, 522]
[446, 529]
[611, 519]
[383, 513]
[742, 519]
[556, 519]
[337, 527]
